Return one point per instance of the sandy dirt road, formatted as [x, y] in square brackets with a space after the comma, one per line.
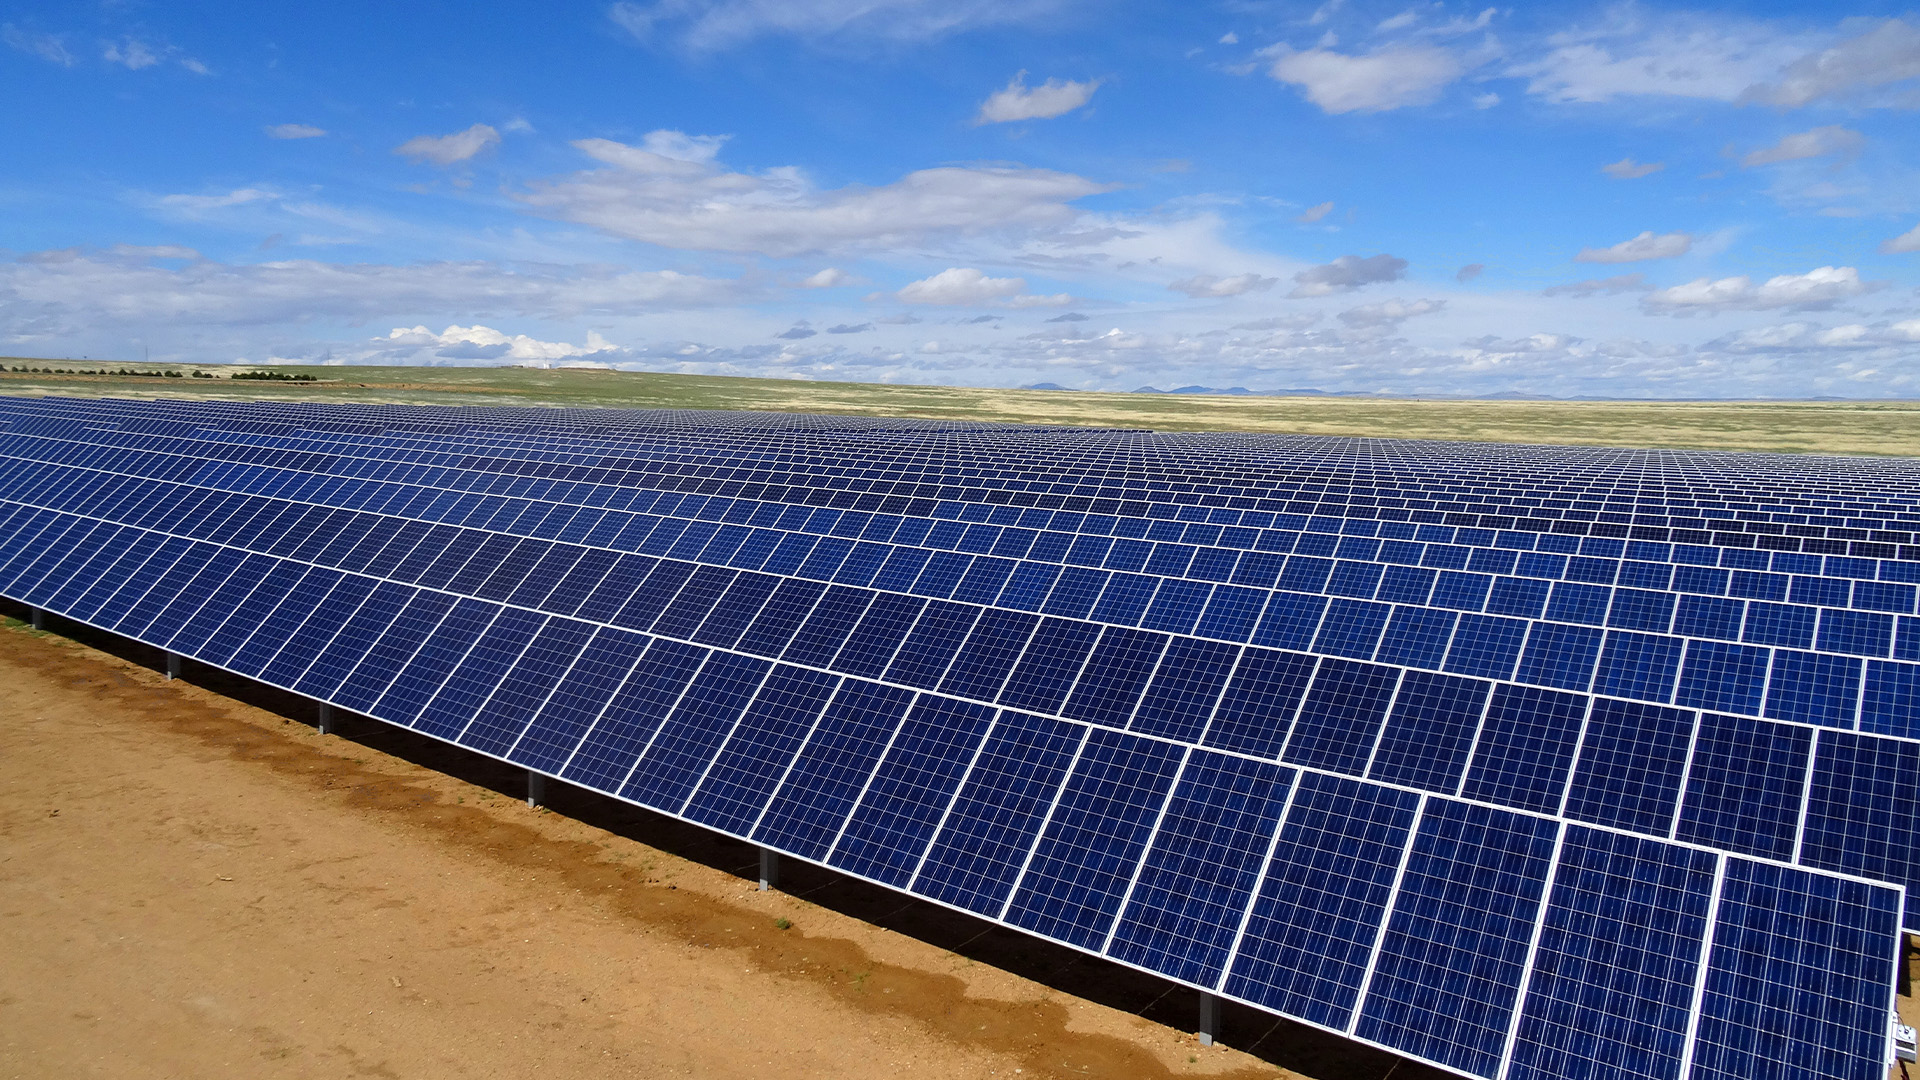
[196, 886]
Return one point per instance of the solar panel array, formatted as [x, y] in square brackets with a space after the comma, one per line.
[1523, 761]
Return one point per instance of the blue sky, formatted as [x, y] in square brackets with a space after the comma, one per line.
[1615, 200]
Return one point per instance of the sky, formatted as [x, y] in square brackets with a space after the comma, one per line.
[1554, 199]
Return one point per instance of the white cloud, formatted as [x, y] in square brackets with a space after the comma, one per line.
[1814, 290]
[449, 149]
[1229, 38]
[49, 47]
[130, 53]
[962, 285]
[1905, 242]
[1207, 286]
[1389, 313]
[1633, 53]
[1314, 213]
[478, 342]
[1639, 249]
[1808, 337]
[715, 24]
[830, 278]
[156, 251]
[1486, 101]
[56, 295]
[1390, 78]
[193, 205]
[1887, 53]
[695, 204]
[1826, 141]
[1053, 98]
[294, 131]
[799, 331]
[1613, 286]
[1627, 169]
[1347, 273]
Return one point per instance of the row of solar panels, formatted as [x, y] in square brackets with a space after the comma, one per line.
[972, 562]
[1855, 475]
[1787, 683]
[1478, 938]
[1729, 782]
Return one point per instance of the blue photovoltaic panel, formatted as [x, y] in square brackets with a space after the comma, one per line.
[1745, 785]
[1314, 923]
[1205, 860]
[1430, 732]
[1630, 764]
[1072, 888]
[1612, 987]
[818, 793]
[602, 595]
[1800, 979]
[982, 844]
[1525, 748]
[911, 790]
[1455, 945]
[750, 765]
[1863, 810]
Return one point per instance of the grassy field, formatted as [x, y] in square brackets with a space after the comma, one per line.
[1815, 427]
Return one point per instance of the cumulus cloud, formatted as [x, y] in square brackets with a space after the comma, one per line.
[1469, 272]
[49, 47]
[1815, 290]
[56, 295]
[1389, 313]
[831, 277]
[1071, 316]
[715, 24]
[850, 328]
[294, 131]
[1055, 97]
[799, 331]
[1208, 286]
[1639, 249]
[1347, 273]
[449, 149]
[1390, 78]
[962, 286]
[1888, 52]
[1612, 286]
[1829, 141]
[478, 342]
[1808, 337]
[691, 202]
[1314, 213]
[1905, 242]
[1628, 169]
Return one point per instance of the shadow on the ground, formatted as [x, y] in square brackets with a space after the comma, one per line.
[1273, 1039]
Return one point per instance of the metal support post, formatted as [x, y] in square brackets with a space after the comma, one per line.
[326, 718]
[1209, 1018]
[173, 665]
[769, 869]
[536, 788]
[38, 618]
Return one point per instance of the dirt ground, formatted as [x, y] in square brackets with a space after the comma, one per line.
[197, 886]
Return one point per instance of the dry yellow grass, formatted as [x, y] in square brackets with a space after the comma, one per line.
[1801, 427]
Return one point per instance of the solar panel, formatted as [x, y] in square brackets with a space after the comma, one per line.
[1521, 761]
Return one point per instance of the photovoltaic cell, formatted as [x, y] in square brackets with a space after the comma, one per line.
[1455, 945]
[1313, 925]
